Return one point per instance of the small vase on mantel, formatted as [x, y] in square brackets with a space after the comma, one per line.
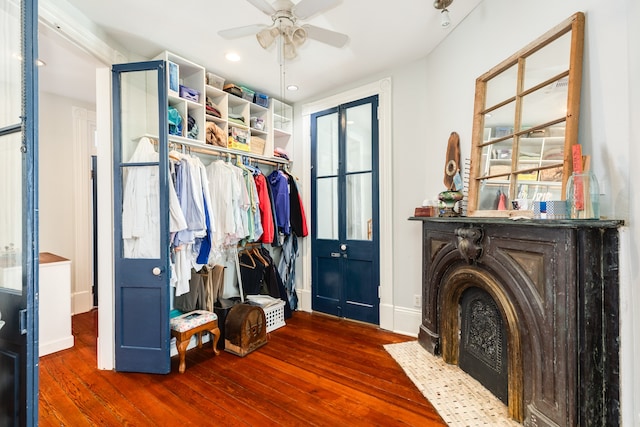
[583, 196]
[449, 203]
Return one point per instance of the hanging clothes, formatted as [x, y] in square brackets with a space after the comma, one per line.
[213, 278]
[252, 271]
[273, 280]
[140, 216]
[296, 211]
[266, 214]
[280, 189]
[287, 268]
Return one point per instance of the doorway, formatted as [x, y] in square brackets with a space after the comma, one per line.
[345, 211]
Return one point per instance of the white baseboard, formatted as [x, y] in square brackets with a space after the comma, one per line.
[407, 321]
[57, 345]
[81, 302]
[401, 320]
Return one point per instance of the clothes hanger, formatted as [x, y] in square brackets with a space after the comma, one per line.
[258, 255]
[253, 261]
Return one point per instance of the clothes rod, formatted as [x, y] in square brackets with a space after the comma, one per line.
[214, 150]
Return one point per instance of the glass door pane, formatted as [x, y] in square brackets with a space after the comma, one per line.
[140, 172]
[327, 145]
[10, 64]
[327, 196]
[11, 213]
[358, 153]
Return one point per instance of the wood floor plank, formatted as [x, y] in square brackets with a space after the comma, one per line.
[317, 371]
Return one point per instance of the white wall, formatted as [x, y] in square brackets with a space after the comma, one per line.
[434, 96]
[64, 192]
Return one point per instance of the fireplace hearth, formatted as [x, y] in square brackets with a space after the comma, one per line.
[535, 301]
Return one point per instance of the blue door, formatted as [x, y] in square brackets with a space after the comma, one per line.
[18, 214]
[344, 212]
[141, 217]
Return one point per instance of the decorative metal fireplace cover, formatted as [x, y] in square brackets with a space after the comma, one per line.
[483, 341]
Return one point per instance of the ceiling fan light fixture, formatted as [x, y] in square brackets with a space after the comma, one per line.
[296, 35]
[445, 20]
[442, 5]
[267, 36]
[289, 51]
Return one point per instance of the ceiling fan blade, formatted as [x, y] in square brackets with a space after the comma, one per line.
[234, 33]
[307, 8]
[263, 6]
[326, 36]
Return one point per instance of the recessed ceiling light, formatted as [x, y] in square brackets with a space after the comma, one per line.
[232, 56]
[292, 87]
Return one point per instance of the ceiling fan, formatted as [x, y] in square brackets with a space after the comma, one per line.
[285, 16]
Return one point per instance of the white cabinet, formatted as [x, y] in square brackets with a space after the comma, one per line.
[55, 304]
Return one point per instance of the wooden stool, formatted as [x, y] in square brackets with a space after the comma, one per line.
[186, 325]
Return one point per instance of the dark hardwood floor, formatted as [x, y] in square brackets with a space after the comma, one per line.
[317, 370]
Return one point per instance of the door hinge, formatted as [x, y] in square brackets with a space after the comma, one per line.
[23, 321]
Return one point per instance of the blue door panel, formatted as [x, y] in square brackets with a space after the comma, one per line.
[345, 273]
[360, 272]
[142, 288]
[9, 387]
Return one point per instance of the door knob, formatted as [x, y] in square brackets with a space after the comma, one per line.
[156, 271]
[343, 247]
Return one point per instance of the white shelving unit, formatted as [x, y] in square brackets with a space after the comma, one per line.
[273, 124]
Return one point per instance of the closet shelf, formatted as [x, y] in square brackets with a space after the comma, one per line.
[214, 150]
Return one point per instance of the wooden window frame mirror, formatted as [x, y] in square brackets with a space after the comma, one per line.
[527, 105]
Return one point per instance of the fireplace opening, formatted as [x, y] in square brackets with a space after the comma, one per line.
[483, 342]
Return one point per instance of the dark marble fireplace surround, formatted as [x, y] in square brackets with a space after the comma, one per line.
[556, 285]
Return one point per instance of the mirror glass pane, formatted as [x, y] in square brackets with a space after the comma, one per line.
[493, 192]
[497, 158]
[359, 207]
[501, 120]
[502, 87]
[141, 184]
[10, 64]
[327, 145]
[545, 105]
[11, 246]
[327, 208]
[358, 138]
[548, 62]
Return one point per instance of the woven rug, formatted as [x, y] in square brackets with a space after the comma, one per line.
[459, 399]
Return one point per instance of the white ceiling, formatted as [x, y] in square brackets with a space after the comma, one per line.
[381, 38]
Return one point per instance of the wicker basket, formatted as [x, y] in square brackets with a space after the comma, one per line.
[257, 145]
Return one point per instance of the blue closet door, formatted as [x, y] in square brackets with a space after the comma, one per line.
[345, 245]
[18, 214]
[141, 218]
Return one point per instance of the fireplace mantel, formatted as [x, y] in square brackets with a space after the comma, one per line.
[556, 284]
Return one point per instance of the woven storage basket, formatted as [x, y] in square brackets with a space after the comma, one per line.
[257, 145]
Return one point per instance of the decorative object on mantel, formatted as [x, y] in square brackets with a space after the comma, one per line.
[453, 182]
